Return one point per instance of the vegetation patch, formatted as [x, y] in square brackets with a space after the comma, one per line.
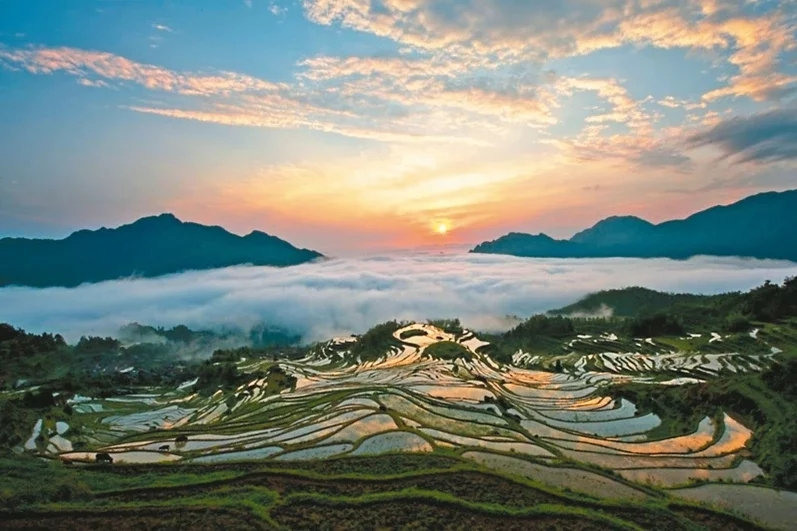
[209, 519]
[375, 342]
[385, 465]
[447, 350]
[449, 326]
[415, 332]
[714, 521]
[423, 513]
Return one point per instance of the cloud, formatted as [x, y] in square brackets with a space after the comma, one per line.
[496, 74]
[342, 296]
[628, 150]
[624, 108]
[98, 83]
[162, 27]
[469, 71]
[90, 65]
[764, 137]
[276, 9]
[270, 114]
[431, 93]
[237, 99]
[674, 103]
[750, 36]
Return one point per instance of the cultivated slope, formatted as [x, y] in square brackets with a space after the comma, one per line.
[433, 398]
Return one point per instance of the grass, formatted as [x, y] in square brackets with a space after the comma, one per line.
[432, 510]
[197, 519]
[425, 491]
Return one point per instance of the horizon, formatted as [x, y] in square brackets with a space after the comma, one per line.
[358, 127]
[441, 248]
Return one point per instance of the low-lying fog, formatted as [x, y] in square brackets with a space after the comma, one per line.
[343, 296]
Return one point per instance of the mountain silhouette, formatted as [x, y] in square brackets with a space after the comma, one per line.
[759, 226]
[149, 247]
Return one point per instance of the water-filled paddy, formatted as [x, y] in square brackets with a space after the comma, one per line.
[673, 477]
[397, 441]
[245, 455]
[405, 401]
[319, 452]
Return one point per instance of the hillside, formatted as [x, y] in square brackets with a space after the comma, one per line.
[149, 247]
[432, 429]
[560, 423]
[630, 302]
[760, 226]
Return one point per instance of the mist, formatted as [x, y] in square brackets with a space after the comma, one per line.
[344, 296]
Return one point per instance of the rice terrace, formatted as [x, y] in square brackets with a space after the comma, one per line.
[560, 423]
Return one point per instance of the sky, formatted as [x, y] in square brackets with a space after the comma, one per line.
[353, 126]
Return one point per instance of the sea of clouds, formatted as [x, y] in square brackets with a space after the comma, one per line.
[349, 295]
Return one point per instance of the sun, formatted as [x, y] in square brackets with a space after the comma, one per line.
[441, 228]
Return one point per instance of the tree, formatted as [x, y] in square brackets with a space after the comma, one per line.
[660, 324]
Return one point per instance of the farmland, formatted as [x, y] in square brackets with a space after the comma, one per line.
[436, 423]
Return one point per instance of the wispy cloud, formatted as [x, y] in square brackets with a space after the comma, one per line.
[624, 108]
[97, 83]
[268, 112]
[87, 64]
[277, 9]
[237, 99]
[162, 27]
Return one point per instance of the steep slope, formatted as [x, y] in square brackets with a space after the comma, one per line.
[149, 247]
[760, 226]
[615, 231]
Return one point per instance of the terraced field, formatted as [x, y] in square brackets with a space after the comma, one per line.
[523, 447]
[416, 491]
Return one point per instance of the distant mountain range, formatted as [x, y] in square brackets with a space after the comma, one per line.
[149, 247]
[760, 226]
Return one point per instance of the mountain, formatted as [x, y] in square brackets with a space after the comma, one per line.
[149, 247]
[760, 226]
[616, 230]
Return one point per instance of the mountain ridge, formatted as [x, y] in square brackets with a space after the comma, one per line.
[150, 246]
[759, 226]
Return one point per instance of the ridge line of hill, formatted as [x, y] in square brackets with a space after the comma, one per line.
[149, 247]
[760, 226]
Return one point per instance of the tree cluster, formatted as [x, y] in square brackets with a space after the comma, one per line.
[376, 341]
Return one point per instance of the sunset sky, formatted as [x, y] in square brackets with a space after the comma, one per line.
[359, 125]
